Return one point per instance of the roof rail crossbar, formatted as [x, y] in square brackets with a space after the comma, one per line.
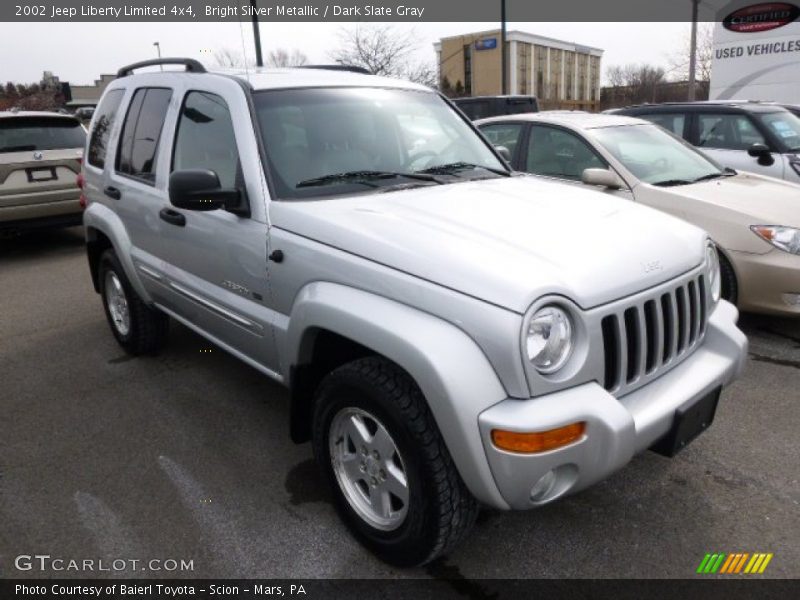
[192, 65]
[350, 68]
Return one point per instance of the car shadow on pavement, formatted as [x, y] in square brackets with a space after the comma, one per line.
[40, 243]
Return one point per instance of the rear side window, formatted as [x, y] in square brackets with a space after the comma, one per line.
[22, 134]
[101, 129]
[516, 106]
[141, 131]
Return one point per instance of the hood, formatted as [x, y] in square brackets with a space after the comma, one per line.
[506, 241]
[727, 207]
[768, 201]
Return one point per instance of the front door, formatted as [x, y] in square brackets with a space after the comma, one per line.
[726, 137]
[214, 263]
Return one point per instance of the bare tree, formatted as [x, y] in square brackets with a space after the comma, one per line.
[679, 61]
[229, 58]
[634, 84]
[283, 58]
[383, 50]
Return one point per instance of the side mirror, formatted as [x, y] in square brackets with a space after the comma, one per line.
[762, 153]
[199, 189]
[601, 177]
[504, 152]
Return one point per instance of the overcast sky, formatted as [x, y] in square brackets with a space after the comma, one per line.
[79, 52]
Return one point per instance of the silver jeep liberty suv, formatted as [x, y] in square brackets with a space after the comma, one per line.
[453, 335]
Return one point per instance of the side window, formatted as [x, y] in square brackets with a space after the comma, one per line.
[205, 138]
[138, 148]
[558, 153]
[105, 116]
[672, 122]
[727, 131]
[503, 134]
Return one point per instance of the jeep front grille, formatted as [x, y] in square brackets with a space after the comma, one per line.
[643, 339]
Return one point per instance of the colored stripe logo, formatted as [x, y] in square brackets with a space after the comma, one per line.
[742, 563]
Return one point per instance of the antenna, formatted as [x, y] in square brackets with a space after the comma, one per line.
[244, 53]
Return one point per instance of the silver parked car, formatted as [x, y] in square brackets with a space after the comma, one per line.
[452, 335]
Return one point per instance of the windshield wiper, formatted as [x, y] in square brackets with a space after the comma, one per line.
[451, 168]
[672, 182]
[364, 177]
[711, 176]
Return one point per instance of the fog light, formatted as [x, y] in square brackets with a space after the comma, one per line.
[539, 441]
[543, 487]
[792, 299]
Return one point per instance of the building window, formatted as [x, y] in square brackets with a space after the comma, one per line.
[468, 69]
[523, 68]
[541, 69]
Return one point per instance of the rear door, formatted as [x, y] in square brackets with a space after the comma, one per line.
[132, 186]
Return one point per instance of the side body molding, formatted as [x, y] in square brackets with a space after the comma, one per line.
[449, 367]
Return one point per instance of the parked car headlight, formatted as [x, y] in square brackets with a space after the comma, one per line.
[714, 278]
[549, 340]
[783, 238]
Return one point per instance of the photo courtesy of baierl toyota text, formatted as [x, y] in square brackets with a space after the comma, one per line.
[437, 299]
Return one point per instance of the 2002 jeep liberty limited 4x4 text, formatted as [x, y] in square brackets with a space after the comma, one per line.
[452, 334]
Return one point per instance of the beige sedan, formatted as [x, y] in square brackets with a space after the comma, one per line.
[755, 220]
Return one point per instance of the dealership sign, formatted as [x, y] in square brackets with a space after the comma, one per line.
[757, 52]
[486, 44]
[761, 17]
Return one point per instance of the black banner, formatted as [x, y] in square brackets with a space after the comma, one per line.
[739, 588]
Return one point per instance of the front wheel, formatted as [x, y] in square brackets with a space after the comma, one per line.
[394, 482]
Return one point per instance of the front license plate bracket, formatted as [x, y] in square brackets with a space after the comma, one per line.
[691, 419]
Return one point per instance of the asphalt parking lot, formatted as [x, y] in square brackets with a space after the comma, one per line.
[186, 456]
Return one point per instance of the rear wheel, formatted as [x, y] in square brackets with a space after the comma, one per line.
[730, 289]
[138, 328]
[394, 482]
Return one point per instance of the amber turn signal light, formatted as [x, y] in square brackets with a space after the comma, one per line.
[539, 441]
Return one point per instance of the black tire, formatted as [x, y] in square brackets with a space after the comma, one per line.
[148, 327]
[730, 289]
[441, 510]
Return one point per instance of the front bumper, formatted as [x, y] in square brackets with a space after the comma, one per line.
[616, 428]
[765, 280]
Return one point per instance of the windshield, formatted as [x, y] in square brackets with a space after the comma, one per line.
[785, 126]
[655, 156]
[331, 141]
[20, 134]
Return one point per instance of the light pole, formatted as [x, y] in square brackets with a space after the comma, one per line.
[158, 49]
[256, 35]
[503, 49]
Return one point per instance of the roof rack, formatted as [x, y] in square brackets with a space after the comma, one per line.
[350, 68]
[192, 66]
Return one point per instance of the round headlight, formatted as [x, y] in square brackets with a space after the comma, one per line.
[714, 279]
[549, 339]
